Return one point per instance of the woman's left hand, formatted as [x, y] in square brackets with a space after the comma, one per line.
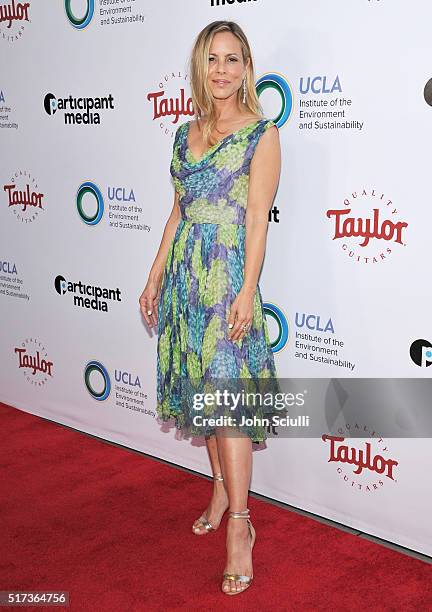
[241, 313]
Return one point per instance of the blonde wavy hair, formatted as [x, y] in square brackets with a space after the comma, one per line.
[202, 98]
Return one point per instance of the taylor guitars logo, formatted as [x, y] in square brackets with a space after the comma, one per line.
[23, 196]
[171, 101]
[368, 226]
[13, 16]
[33, 362]
[365, 461]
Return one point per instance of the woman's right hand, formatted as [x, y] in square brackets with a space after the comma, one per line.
[149, 301]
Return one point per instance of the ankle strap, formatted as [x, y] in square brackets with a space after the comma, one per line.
[240, 514]
[218, 476]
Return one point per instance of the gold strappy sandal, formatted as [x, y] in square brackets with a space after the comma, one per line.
[246, 580]
[203, 521]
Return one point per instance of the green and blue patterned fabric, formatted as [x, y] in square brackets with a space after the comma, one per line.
[202, 276]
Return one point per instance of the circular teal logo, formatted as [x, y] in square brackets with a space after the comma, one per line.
[278, 83]
[80, 22]
[91, 368]
[89, 188]
[277, 315]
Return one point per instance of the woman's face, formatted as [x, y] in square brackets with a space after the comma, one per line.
[226, 67]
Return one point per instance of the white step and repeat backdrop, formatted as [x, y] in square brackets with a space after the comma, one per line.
[91, 93]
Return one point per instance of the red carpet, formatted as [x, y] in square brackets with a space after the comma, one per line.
[114, 529]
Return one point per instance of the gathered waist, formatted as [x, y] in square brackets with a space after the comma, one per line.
[221, 212]
[193, 222]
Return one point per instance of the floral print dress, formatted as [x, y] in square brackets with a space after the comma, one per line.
[202, 276]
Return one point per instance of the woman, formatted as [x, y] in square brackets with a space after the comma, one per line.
[202, 292]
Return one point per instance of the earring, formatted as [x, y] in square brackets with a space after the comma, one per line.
[244, 90]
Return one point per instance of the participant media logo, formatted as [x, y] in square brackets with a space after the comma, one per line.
[14, 17]
[34, 363]
[24, 197]
[273, 215]
[421, 353]
[87, 296]
[368, 227]
[214, 3]
[79, 111]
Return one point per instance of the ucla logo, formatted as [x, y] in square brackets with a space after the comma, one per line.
[319, 85]
[283, 88]
[277, 315]
[120, 194]
[313, 322]
[8, 268]
[96, 368]
[90, 189]
[127, 378]
[80, 22]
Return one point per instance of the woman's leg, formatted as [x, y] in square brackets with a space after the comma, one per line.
[213, 454]
[235, 455]
[219, 501]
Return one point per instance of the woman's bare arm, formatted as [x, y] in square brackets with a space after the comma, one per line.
[263, 181]
[264, 176]
[150, 296]
[171, 225]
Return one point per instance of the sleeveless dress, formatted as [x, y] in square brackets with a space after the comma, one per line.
[202, 276]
